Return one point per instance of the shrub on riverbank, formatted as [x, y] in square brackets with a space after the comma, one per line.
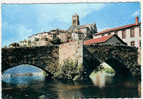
[69, 70]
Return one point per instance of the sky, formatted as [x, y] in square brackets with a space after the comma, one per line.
[22, 20]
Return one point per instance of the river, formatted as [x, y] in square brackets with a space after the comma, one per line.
[61, 89]
[37, 87]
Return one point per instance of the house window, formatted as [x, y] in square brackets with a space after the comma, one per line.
[139, 31]
[123, 34]
[133, 43]
[132, 33]
[54, 36]
[140, 43]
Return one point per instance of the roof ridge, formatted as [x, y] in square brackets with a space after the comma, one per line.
[98, 40]
[117, 28]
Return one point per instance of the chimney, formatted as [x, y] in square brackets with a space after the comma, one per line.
[137, 20]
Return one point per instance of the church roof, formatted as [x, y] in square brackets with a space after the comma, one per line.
[72, 27]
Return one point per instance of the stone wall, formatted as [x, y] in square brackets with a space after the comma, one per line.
[85, 58]
[70, 60]
[48, 58]
[122, 58]
[139, 55]
[44, 57]
[71, 51]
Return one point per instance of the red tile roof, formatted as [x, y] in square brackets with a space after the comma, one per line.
[97, 40]
[117, 28]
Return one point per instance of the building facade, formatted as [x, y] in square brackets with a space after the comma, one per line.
[131, 34]
[75, 32]
[87, 30]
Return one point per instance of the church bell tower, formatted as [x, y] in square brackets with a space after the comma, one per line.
[75, 20]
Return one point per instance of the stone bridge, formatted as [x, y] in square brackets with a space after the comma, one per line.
[122, 59]
[45, 57]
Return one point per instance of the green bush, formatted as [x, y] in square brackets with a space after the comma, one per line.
[108, 70]
[70, 69]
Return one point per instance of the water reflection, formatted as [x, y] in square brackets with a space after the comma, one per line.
[56, 89]
[23, 74]
[102, 86]
[103, 76]
[99, 79]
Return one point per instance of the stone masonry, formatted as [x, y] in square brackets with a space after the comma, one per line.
[71, 51]
[44, 57]
[50, 58]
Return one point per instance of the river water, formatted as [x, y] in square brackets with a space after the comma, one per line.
[16, 85]
[61, 89]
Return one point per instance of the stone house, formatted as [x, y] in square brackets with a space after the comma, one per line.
[43, 41]
[39, 36]
[131, 33]
[63, 37]
[24, 43]
[51, 35]
[75, 32]
[77, 36]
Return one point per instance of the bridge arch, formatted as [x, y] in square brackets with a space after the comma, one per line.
[119, 67]
[45, 57]
[18, 64]
[123, 59]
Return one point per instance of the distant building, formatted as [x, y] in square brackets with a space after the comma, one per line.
[88, 30]
[75, 32]
[36, 37]
[77, 36]
[50, 36]
[131, 34]
[14, 45]
[24, 43]
[106, 40]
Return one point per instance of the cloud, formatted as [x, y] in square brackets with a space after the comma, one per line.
[63, 12]
[136, 13]
[25, 20]
[14, 33]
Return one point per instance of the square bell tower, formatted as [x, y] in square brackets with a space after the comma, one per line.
[75, 20]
